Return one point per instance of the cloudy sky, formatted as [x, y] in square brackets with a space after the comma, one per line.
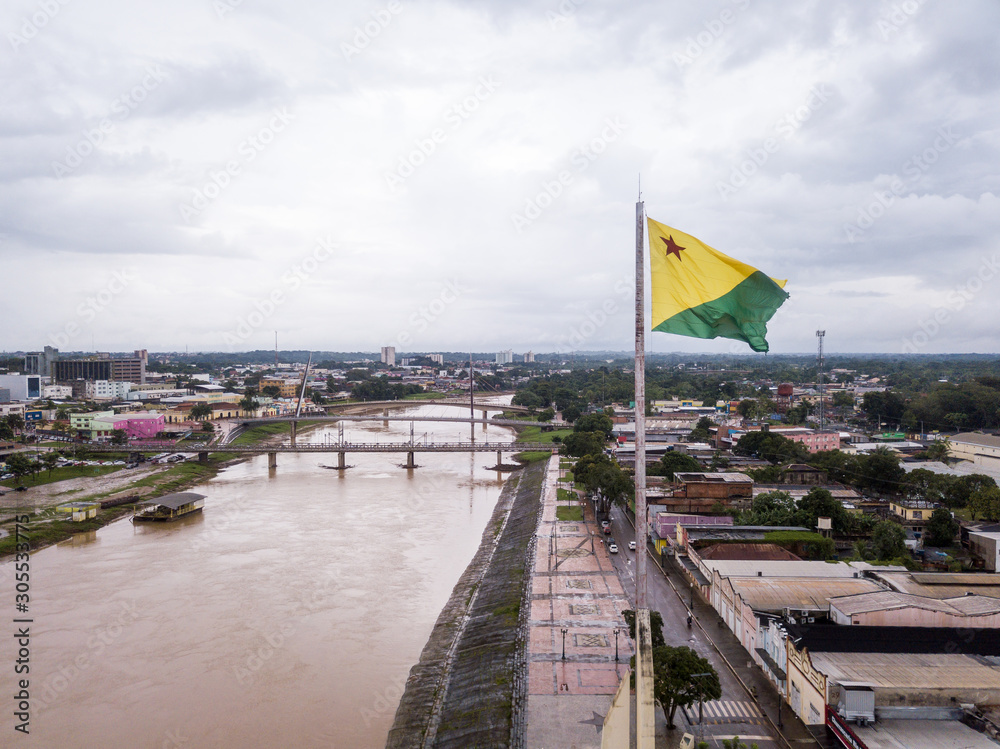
[446, 175]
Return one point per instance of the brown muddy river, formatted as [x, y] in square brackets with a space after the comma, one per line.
[288, 614]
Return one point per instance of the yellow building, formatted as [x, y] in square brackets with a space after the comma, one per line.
[80, 511]
[913, 510]
[287, 388]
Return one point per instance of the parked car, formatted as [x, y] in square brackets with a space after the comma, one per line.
[607, 530]
[20, 488]
[631, 545]
[613, 548]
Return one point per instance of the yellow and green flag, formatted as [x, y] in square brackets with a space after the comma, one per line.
[699, 292]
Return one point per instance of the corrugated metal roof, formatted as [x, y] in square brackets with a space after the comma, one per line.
[887, 600]
[945, 585]
[746, 568]
[975, 438]
[806, 593]
[909, 671]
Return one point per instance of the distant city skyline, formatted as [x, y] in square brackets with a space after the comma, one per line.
[453, 175]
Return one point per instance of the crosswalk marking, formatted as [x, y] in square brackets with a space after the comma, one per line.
[727, 711]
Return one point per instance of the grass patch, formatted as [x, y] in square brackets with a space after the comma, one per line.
[262, 432]
[569, 513]
[535, 434]
[565, 495]
[62, 474]
[569, 478]
[424, 396]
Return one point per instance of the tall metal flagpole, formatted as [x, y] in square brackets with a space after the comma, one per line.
[644, 705]
[640, 413]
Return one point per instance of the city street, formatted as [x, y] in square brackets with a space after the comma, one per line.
[736, 713]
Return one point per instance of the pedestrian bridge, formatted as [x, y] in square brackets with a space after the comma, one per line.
[457, 402]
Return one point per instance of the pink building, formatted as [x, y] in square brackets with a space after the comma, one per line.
[138, 426]
[816, 441]
[144, 426]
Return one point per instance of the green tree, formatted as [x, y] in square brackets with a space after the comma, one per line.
[200, 411]
[701, 432]
[820, 503]
[771, 447]
[597, 422]
[603, 476]
[843, 399]
[673, 462]
[584, 443]
[273, 391]
[655, 626]
[985, 503]
[49, 460]
[939, 450]
[248, 403]
[20, 465]
[941, 529]
[880, 471]
[6, 432]
[547, 414]
[16, 422]
[120, 436]
[571, 413]
[676, 682]
[771, 508]
[888, 540]
[736, 743]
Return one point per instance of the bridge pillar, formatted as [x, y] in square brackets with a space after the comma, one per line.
[294, 430]
[272, 460]
[341, 461]
[499, 458]
[409, 460]
[202, 457]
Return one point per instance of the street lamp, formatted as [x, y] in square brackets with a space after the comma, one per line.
[564, 631]
[617, 630]
[700, 693]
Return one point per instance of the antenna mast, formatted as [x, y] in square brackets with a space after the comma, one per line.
[819, 360]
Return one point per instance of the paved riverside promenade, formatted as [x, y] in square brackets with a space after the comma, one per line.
[573, 587]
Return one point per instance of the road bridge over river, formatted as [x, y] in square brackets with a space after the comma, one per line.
[342, 448]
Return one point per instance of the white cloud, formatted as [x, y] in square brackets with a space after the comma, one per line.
[699, 91]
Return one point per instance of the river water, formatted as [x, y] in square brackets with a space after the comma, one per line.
[288, 614]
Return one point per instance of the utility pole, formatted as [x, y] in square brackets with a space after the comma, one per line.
[472, 400]
[819, 360]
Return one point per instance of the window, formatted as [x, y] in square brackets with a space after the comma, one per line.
[918, 515]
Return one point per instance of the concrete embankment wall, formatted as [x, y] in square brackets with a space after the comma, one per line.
[461, 692]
